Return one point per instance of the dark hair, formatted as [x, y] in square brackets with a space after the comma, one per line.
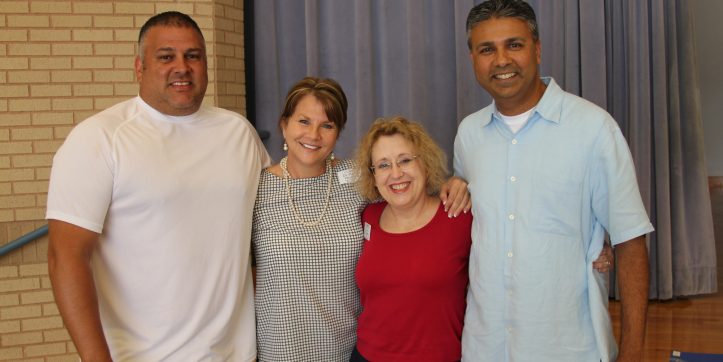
[491, 9]
[168, 18]
[327, 91]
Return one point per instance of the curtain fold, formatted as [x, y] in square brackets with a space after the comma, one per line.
[410, 58]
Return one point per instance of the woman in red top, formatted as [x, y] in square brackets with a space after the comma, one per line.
[412, 273]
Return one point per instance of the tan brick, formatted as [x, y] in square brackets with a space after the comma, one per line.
[93, 7]
[9, 148]
[126, 89]
[115, 49]
[102, 21]
[28, 21]
[28, 49]
[52, 118]
[62, 132]
[8, 91]
[7, 215]
[3, 102]
[71, 21]
[18, 339]
[134, 8]
[72, 49]
[45, 147]
[125, 62]
[93, 62]
[17, 119]
[64, 358]
[126, 35]
[34, 270]
[29, 105]
[15, 201]
[103, 103]
[72, 104]
[92, 35]
[49, 35]
[56, 335]
[4, 135]
[57, 90]
[13, 35]
[29, 76]
[114, 76]
[50, 63]
[71, 76]
[37, 213]
[42, 199]
[50, 7]
[36, 324]
[3, 47]
[36, 133]
[45, 349]
[31, 161]
[20, 312]
[9, 7]
[9, 327]
[5, 188]
[93, 89]
[50, 308]
[29, 187]
[11, 353]
[8, 272]
[184, 8]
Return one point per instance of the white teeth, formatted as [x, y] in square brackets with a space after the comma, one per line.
[504, 76]
[400, 186]
[181, 83]
[310, 146]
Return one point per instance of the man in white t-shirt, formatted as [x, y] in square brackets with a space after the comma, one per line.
[149, 208]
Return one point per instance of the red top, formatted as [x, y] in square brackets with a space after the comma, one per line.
[413, 287]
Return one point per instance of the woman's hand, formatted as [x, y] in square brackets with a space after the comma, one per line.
[455, 196]
[605, 261]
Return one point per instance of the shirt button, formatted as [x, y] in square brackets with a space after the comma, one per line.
[511, 216]
[509, 254]
[514, 142]
[509, 329]
[513, 178]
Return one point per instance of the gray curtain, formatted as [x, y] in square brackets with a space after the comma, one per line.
[410, 57]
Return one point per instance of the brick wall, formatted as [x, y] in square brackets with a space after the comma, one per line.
[60, 62]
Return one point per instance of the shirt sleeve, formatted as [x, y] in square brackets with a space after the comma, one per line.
[616, 200]
[81, 179]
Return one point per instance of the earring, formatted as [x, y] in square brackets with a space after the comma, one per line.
[332, 156]
[286, 147]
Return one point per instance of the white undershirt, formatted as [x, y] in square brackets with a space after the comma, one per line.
[516, 122]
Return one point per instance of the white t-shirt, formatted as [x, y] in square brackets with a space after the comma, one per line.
[173, 199]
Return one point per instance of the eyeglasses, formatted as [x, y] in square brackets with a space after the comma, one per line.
[384, 167]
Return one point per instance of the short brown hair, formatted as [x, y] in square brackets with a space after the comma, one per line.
[327, 91]
[432, 158]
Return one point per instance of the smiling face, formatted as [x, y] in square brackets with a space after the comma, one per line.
[172, 72]
[404, 183]
[505, 58]
[311, 137]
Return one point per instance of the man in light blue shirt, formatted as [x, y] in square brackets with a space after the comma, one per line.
[549, 174]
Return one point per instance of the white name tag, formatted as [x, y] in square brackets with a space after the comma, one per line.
[367, 231]
[345, 176]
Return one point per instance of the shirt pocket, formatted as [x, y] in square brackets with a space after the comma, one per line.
[556, 205]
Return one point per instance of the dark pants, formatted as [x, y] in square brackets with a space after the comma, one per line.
[356, 356]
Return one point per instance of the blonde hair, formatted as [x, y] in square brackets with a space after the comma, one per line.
[431, 157]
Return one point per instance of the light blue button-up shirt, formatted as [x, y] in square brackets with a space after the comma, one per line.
[542, 200]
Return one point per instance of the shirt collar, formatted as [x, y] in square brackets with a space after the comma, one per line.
[549, 107]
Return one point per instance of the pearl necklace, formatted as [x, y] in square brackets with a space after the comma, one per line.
[291, 200]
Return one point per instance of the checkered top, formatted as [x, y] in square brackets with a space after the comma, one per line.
[307, 301]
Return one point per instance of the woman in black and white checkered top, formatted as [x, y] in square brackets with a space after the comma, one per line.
[307, 234]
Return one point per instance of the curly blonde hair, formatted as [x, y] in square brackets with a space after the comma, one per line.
[432, 158]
